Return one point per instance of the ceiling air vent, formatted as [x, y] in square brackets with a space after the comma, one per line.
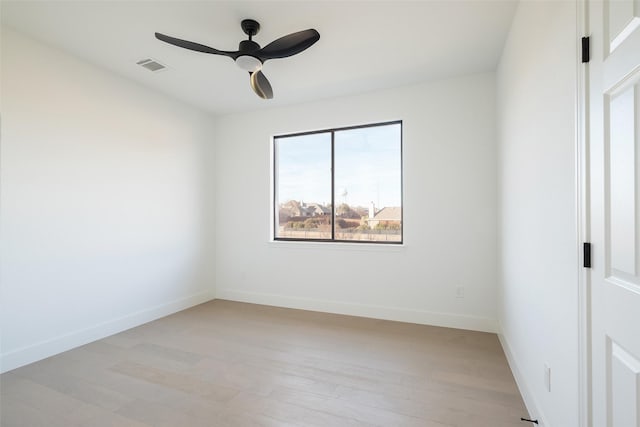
[151, 64]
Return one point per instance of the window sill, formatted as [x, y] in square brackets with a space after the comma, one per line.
[338, 246]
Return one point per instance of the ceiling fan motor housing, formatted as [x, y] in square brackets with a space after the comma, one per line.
[248, 46]
[245, 60]
[248, 63]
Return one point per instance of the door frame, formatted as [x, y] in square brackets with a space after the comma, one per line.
[582, 203]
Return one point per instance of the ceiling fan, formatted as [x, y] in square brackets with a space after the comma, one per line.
[250, 56]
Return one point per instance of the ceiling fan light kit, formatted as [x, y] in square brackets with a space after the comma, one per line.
[248, 63]
[250, 57]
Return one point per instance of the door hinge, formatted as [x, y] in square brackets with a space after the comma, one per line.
[586, 255]
[585, 50]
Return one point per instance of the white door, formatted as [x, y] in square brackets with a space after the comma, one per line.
[614, 146]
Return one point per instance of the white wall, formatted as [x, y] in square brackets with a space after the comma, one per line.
[103, 203]
[539, 301]
[450, 207]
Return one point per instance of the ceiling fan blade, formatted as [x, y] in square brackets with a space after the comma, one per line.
[195, 46]
[288, 45]
[261, 85]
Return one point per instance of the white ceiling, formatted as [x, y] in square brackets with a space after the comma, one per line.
[363, 46]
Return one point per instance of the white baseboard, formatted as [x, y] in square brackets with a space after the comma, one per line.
[449, 320]
[32, 353]
[525, 391]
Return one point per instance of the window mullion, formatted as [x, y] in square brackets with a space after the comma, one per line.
[333, 187]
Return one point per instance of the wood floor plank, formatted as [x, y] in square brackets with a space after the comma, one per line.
[232, 364]
[175, 380]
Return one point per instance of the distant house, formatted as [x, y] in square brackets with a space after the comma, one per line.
[294, 209]
[386, 216]
[316, 209]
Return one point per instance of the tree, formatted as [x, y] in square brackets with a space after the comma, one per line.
[345, 211]
[310, 223]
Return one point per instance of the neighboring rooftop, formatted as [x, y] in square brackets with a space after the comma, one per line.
[389, 214]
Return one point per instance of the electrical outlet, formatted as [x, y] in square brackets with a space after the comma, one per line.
[460, 292]
[547, 377]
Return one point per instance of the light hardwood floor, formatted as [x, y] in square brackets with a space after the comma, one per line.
[232, 364]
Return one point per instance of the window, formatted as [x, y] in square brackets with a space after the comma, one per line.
[340, 185]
